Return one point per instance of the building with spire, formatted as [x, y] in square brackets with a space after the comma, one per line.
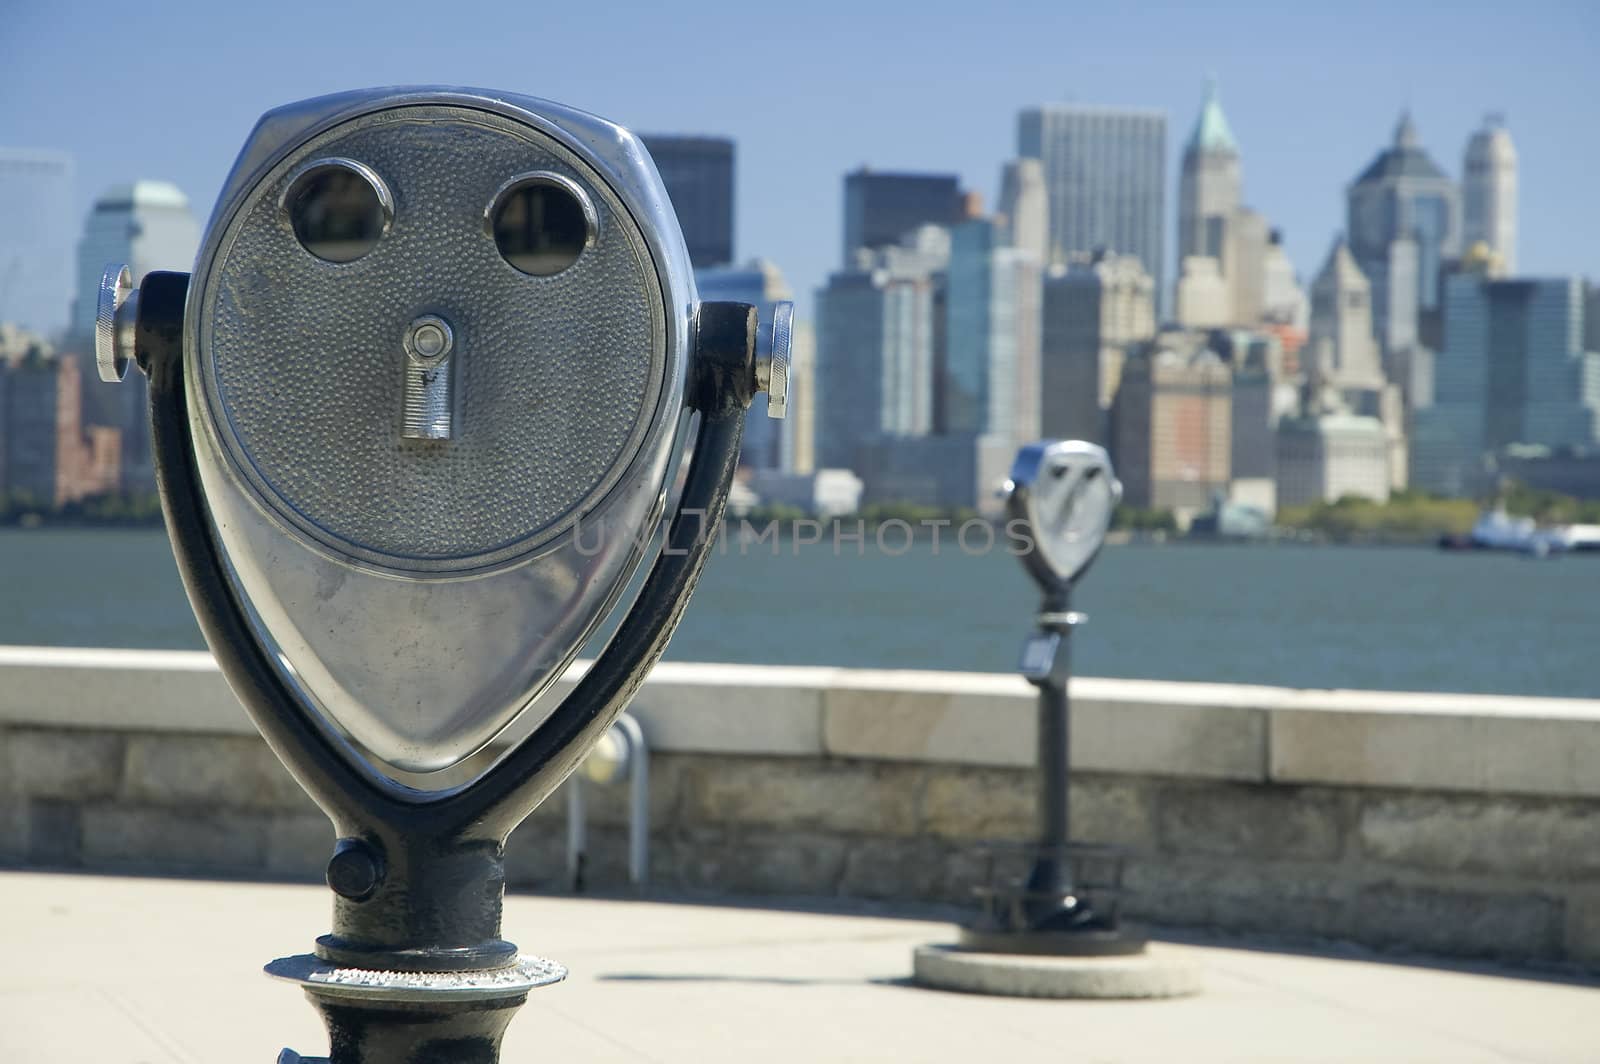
[1209, 184]
[1489, 194]
[1341, 343]
[1024, 210]
[1224, 248]
[1403, 218]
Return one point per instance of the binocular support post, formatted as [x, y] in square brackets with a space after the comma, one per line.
[1050, 912]
[1051, 877]
[415, 970]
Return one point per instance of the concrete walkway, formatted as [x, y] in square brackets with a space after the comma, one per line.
[92, 975]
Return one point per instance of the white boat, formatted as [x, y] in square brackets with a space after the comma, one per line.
[1498, 530]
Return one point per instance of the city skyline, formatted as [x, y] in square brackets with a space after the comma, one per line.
[798, 133]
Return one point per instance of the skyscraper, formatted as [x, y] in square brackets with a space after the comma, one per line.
[1283, 301]
[1024, 210]
[1245, 265]
[1341, 342]
[1105, 170]
[1514, 369]
[881, 208]
[1402, 196]
[1203, 300]
[48, 456]
[36, 248]
[1209, 184]
[1489, 193]
[877, 332]
[146, 225]
[1256, 359]
[1173, 428]
[1094, 308]
[698, 173]
[991, 384]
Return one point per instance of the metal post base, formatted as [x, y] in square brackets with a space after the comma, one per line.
[1100, 942]
[378, 1017]
[1066, 905]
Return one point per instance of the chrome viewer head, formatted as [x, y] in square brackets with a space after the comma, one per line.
[436, 348]
[1065, 492]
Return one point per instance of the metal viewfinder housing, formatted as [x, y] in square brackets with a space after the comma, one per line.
[415, 418]
[1065, 493]
[432, 471]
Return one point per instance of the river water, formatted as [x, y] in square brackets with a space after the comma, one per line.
[1385, 618]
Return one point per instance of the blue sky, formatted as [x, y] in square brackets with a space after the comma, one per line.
[810, 90]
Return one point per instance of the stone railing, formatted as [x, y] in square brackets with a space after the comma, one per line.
[1451, 824]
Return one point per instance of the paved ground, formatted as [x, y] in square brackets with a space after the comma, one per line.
[90, 977]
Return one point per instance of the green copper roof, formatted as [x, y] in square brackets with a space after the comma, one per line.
[1211, 132]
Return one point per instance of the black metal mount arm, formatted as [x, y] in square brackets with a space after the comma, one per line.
[419, 880]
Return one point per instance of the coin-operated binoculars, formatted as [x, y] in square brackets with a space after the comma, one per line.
[419, 415]
[1063, 493]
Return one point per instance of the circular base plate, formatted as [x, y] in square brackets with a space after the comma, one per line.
[1089, 943]
[1146, 975]
[328, 980]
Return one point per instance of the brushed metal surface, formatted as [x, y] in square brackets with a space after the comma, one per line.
[555, 376]
[1067, 493]
[421, 595]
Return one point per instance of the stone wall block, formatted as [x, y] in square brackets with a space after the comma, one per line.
[608, 805]
[62, 763]
[192, 840]
[906, 869]
[55, 833]
[973, 803]
[1524, 925]
[1274, 823]
[1581, 938]
[1114, 811]
[1525, 838]
[799, 795]
[1294, 898]
[230, 771]
[536, 856]
[13, 829]
[755, 862]
[299, 845]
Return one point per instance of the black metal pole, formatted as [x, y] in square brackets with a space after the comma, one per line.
[1055, 744]
[1050, 882]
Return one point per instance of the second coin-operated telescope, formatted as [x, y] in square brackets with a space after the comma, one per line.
[420, 414]
[1063, 494]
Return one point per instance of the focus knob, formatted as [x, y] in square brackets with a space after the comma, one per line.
[772, 359]
[115, 315]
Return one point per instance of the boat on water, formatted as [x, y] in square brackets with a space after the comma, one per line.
[1498, 530]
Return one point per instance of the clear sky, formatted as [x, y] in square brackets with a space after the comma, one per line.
[812, 89]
